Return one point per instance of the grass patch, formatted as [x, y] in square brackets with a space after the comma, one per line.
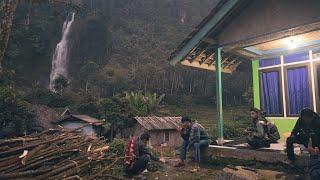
[236, 119]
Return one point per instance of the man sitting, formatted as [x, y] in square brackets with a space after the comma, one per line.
[271, 129]
[307, 123]
[198, 138]
[138, 155]
[257, 135]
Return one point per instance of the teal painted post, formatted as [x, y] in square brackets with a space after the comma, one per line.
[219, 95]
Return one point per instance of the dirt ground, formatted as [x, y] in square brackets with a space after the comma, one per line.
[219, 171]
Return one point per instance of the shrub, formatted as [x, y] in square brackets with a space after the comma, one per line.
[46, 97]
[89, 108]
[15, 119]
[117, 146]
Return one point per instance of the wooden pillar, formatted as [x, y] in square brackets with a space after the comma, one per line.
[219, 95]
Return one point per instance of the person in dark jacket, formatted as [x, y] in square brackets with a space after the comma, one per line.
[143, 156]
[185, 135]
[308, 122]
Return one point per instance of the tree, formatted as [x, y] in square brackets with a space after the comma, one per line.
[60, 83]
[15, 119]
[7, 12]
[88, 72]
[117, 114]
[89, 108]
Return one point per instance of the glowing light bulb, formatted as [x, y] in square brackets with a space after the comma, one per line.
[291, 42]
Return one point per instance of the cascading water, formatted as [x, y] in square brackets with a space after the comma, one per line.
[60, 56]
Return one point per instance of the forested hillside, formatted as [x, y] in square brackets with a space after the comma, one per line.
[117, 45]
[116, 52]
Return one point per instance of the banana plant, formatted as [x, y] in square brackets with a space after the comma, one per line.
[144, 104]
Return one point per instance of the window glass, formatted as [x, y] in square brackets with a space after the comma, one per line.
[290, 58]
[166, 136]
[269, 62]
[270, 92]
[298, 89]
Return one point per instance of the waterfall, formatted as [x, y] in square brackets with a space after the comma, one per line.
[60, 56]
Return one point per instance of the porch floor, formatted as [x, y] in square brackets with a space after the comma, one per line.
[274, 154]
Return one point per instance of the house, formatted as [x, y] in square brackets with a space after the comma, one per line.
[73, 121]
[163, 130]
[280, 38]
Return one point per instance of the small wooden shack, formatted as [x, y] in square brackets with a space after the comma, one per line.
[163, 130]
[73, 121]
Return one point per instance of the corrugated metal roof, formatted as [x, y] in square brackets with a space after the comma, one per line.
[159, 123]
[88, 119]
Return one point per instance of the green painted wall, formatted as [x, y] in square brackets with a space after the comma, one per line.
[256, 84]
[284, 126]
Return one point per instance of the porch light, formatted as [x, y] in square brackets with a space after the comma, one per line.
[291, 42]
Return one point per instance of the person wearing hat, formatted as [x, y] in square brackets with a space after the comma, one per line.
[194, 135]
[306, 126]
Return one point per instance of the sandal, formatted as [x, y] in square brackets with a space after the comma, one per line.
[194, 170]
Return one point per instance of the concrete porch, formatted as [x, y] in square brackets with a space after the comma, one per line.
[274, 154]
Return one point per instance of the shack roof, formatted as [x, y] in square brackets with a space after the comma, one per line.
[84, 118]
[159, 123]
[249, 30]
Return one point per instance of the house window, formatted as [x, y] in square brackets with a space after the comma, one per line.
[298, 88]
[271, 92]
[166, 136]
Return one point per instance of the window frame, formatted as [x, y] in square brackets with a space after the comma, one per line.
[316, 84]
[273, 69]
[295, 66]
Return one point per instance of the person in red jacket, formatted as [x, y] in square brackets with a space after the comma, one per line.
[138, 155]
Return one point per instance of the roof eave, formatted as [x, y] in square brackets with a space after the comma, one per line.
[214, 20]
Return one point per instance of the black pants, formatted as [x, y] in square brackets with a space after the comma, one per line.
[299, 139]
[314, 168]
[256, 143]
[138, 166]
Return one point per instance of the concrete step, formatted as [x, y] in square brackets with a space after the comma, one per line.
[274, 154]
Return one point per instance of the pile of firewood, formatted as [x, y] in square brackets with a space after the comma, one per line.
[57, 154]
